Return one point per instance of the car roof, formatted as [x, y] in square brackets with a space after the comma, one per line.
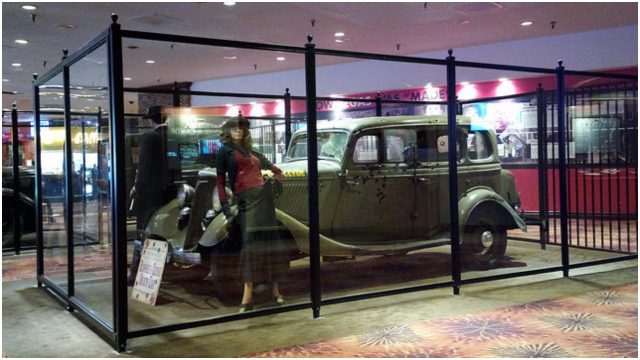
[354, 125]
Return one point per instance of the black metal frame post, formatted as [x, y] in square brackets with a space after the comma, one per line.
[38, 184]
[287, 118]
[176, 95]
[562, 168]
[17, 228]
[68, 180]
[118, 185]
[378, 104]
[312, 176]
[452, 110]
[542, 165]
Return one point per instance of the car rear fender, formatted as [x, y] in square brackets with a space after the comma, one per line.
[483, 200]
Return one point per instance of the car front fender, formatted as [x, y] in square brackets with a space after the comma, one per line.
[164, 223]
[484, 200]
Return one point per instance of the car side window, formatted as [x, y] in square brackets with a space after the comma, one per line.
[396, 142]
[366, 150]
[479, 146]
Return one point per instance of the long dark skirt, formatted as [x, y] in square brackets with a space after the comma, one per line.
[264, 258]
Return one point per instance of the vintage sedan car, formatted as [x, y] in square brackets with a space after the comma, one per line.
[383, 190]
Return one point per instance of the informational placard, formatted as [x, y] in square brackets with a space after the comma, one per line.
[149, 276]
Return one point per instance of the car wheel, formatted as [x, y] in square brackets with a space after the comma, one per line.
[484, 243]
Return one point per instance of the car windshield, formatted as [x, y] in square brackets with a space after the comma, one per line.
[331, 145]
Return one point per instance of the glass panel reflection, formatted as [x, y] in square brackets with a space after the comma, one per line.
[52, 137]
[92, 241]
[214, 202]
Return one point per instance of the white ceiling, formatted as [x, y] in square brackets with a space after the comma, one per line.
[389, 28]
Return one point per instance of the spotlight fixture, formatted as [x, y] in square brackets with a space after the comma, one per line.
[150, 61]
[21, 41]
[526, 23]
[29, 7]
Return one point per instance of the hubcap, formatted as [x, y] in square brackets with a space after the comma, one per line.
[486, 238]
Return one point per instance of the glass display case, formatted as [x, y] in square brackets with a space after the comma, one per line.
[155, 216]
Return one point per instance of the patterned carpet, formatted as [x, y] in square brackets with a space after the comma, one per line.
[597, 324]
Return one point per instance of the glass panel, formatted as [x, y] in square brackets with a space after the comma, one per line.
[602, 133]
[26, 209]
[93, 250]
[54, 226]
[7, 182]
[210, 257]
[384, 215]
[499, 172]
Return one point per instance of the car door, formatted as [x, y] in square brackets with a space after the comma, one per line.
[377, 199]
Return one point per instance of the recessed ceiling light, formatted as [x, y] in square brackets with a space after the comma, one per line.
[229, 3]
[16, 64]
[66, 26]
[339, 34]
[21, 41]
[150, 61]
[230, 57]
[29, 7]
[127, 78]
[281, 58]
[339, 40]
[5, 80]
[526, 23]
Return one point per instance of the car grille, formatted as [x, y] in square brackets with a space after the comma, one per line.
[294, 199]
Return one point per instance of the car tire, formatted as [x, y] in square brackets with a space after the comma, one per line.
[483, 243]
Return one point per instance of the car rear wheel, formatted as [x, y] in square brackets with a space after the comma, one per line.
[484, 243]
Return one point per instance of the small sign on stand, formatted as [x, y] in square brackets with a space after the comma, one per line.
[149, 276]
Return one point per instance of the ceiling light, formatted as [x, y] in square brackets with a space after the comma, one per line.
[150, 61]
[16, 64]
[526, 23]
[5, 80]
[339, 34]
[127, 78]
[281, 58]
[66, 26]
[229, 3]
[29, 7]
[339, 40]
[464, 83]
[503, 79]
[21, 41]
[230, 57]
